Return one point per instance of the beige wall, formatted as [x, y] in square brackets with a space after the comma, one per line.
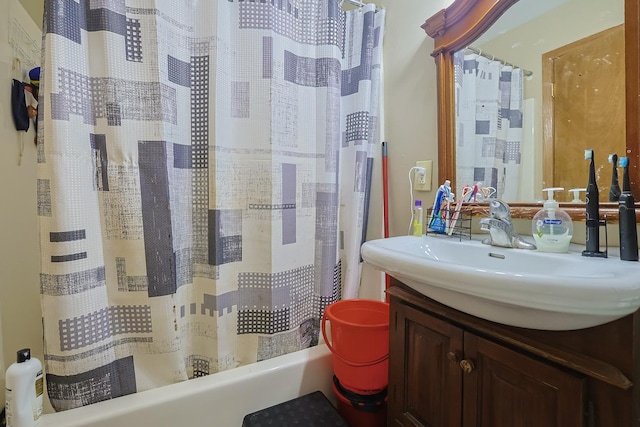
[409, 121]
[34, 8]
[19, 262]
[410, 127]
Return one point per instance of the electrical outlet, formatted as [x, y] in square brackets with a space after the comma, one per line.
[422, 176]
[423, 182]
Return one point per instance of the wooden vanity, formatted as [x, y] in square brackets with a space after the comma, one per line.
[448, 369]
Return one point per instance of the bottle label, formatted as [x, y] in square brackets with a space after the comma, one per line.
[38, 402]
[552, 221]
[8, 407]
[417, 221]
[39, 384]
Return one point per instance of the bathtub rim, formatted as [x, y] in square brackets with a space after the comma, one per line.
[135, 404]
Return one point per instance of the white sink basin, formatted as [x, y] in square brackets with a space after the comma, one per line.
[515, 287]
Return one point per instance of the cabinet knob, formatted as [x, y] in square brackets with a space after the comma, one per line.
[467, 366]
[452, 356]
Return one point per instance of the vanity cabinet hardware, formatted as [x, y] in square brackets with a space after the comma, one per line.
[467, 366]
[452, 356]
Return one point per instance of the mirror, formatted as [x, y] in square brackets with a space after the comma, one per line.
[459, 26]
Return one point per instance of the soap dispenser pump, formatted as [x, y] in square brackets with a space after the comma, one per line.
[576, 194]
[551, 227]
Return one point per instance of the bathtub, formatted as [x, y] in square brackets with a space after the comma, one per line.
[218, 400]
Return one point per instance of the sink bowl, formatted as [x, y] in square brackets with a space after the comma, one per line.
[514, 287]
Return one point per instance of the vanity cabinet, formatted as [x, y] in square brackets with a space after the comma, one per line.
[447, 368]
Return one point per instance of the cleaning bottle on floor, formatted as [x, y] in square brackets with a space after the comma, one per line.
[24, 390]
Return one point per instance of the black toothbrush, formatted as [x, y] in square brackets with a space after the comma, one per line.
[627, 217]
[614, 190]
[593, 212]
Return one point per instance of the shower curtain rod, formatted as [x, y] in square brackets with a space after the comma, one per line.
[475, 50]
[358, 3]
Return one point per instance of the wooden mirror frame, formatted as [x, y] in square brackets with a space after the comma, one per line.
[457, 26]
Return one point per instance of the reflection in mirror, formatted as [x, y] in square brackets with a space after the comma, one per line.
[489, 123]
[511, 133]
[590, 70]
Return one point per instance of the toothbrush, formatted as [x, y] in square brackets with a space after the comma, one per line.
[627, 217]
[474, 193]
[447, 214]
[487, 192]
[466, 195]
[593, 214]
[614, 190]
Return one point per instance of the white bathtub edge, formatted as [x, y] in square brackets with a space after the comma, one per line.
[221, 399]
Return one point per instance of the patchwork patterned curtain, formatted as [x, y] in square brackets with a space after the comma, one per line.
[488, 124]
[201, 183]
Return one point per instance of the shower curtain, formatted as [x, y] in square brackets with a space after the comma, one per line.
[201, 183]
[489, 118]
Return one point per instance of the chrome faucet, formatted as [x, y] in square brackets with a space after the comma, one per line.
[500, 228]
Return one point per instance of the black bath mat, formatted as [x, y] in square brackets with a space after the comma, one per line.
[310, 410]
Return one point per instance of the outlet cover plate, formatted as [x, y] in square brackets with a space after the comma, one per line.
[424, 185]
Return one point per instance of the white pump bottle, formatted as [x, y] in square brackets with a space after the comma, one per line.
[552, 228]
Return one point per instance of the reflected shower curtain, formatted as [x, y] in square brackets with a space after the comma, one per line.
[489, 117]
[201, 183]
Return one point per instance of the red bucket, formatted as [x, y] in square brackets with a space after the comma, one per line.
[359, 343]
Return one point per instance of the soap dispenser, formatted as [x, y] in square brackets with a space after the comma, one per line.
[552, 228]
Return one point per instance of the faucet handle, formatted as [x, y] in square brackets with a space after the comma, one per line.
[499, 210]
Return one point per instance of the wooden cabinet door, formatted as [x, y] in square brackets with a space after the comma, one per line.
[508, 389]
[425, 384]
